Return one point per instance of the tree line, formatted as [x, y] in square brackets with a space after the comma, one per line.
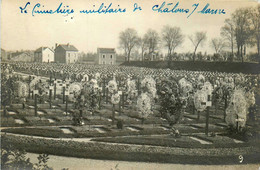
[240, 31]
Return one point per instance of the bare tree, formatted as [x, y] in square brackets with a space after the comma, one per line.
[228, 32]
[143, 46]
[128, 40]
[197, 40]
[172, 37]
[243, 30]
[152, 40]
[217, 44]
[256, 28]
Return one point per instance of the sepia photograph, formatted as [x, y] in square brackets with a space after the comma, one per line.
[130, 84]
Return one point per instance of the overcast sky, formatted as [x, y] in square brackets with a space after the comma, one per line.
[87, 32]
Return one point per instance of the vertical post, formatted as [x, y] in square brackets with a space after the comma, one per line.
[99, 100]
[63, 93]
[9, 97]
[29, 86]
[33, 92]
[106, 95]
[123, 100]
[225, 107]
[66, 106]
[113, 114]
[237, 127]
[208, 104]
[4, 110]
[193, 108]
[55, 82]
[50, 78]
[104, 88]
[35, 105]
[120, 104]
[50, 97]
[207, 122]
[216, 107]
[24, 100]
[138, 86]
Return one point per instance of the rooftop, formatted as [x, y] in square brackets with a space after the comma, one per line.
[42, 48]
[106, 50]
[68, 47]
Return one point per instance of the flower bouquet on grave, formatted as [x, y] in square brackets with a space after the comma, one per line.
[22, 92]
[186, 90]
[200, 97]
[115, 96]
[148, 85]
[91, 93]
[112, 86]
[43, 90]
[237, 110]
[217, 96]
[74, 90]
[171, 103]
[251, 106]
[144, 106]
[131, 91]
[200, 81]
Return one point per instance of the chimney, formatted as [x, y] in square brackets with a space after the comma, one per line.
[68, 44]
[56, 45]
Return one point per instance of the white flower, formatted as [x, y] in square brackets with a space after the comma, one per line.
[34, 82]
[201, 79]
[74, 90]
[200, 99]
[97, 76]
[94, 84]
[250, 98]
[207, 87]
[131, 88]
[22, 89]
[149, 85]
[115, 98]
[112, 86]
[237, 108]
[231, 116]
[144, 105]
[186, 87]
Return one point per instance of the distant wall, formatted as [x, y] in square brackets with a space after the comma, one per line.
[229, 67]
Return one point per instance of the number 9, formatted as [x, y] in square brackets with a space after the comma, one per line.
[241, 158]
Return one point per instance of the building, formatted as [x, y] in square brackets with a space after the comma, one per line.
[44, 54]
[66, 53]
[3, 55]
[23, 56]
[152, 56]
[106, 56]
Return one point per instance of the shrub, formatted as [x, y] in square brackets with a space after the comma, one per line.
[120, 124]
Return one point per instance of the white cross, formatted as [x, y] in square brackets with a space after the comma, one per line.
[208, 103]
[35, 92]
[240, 120]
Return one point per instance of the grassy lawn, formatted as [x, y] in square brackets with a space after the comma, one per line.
[107, 151]
[170, 141]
